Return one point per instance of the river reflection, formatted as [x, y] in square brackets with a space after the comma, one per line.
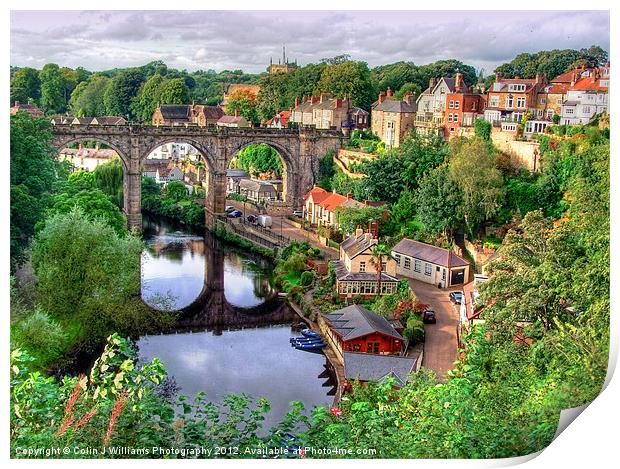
[174, 270]
[236, 346]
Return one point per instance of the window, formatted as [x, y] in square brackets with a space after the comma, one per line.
[407, 263]
[509, 101]
[418, 266]
[362, 266]
[428, 269]
[550, 114]
[451, 104]
[457, 104]
[586, 109]
[569, 111]
[397, 259]
[373, 347]
[449, 117]
[521, 102]
[493, 101]
[543, 100]
[452, 130]
[516, 88]
[383, 266]
[456, 117]
[443, 274]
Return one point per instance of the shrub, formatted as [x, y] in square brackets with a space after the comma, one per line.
[307, 278]
[40, 335]
[414, 330]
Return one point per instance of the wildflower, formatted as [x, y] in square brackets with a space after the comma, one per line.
[116, 412]
[336, 411]
[68, 417]
[84, 420]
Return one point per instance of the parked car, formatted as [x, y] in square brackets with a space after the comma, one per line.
[456, 297]
[229, 208]
[298, 213]
[429, 317]
[251, 218]
[235, 214]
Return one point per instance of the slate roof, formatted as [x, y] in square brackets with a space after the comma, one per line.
[109, 120]
[429, 253]
[393, 105]
[211, 112]
[343, 275]
[231, 120]
[175, 111]
[354, 245]
[237, 173]
[355, 321]
[256, 186]
[371, 367]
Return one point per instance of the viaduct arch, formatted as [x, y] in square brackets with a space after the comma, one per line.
[300, 150]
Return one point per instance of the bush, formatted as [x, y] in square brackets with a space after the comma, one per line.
[414, 330]
[40, 335]
[307, 278]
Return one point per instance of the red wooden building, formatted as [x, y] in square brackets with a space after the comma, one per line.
[355, 329]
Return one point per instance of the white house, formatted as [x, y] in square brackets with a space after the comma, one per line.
[430, 264]
[587, 97]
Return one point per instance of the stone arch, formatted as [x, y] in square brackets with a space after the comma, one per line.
[123, 154]
[289, 163]
[151, 144]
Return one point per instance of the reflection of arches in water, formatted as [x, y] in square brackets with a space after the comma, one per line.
[209, 305]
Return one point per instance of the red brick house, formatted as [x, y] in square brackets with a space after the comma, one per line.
[462, 109]
[356, 329]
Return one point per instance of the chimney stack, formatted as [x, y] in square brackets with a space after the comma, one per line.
[236, 112]
[540, 78]
[390, 93]
[458, 82]
[349, 195]
[314, 99]
[575, 78]
[296, 101]
[381, 97]
[431, 83]
[410, 97]
[498, 76]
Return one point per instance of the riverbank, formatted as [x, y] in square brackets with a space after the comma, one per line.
[337, 367]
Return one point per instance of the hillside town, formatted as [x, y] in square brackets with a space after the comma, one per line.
[415, 235]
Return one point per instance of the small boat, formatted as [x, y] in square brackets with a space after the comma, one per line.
[310, 346]
[310, 333]
[305, 341]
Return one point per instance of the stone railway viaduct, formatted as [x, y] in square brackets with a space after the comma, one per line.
[300, 150]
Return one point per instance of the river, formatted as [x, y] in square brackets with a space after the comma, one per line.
[222, 348]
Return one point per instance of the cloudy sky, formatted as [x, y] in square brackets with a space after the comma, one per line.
[99, 40]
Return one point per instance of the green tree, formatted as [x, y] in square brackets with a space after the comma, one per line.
[379, 255]
[349, 218]
[25, 86]
[33, 173]
[94, 203]
[243, 103]
[173, 91]
[408, 88]
[260, 158]
[52, 89]
[348, 79]
[121, 91]
[385, 179]
[420, 153]
[483, 128]
[87, 98]
[472, 170]
[145, 103]
[437, 201]
[109, 178]
[89, 275]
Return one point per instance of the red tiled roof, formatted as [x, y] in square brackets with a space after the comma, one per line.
[557, 88]
[333, 201]
[587, 84]
[317, 193]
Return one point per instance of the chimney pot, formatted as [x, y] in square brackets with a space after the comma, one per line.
[390, 93]
[498, 76]
[381, 96]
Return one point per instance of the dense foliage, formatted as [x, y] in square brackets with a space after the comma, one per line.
[173, 201]
[259, 158]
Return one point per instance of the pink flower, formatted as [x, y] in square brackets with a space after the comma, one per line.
[336, 411]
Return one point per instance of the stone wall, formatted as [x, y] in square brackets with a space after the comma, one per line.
[522, 154]
[344, 159]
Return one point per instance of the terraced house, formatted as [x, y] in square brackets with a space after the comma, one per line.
[393, 118]
[320, 206]
[587, 96]
[431, 105]
[509, 99]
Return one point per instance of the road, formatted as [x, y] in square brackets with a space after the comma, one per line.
[283, 226]
[440, 345]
